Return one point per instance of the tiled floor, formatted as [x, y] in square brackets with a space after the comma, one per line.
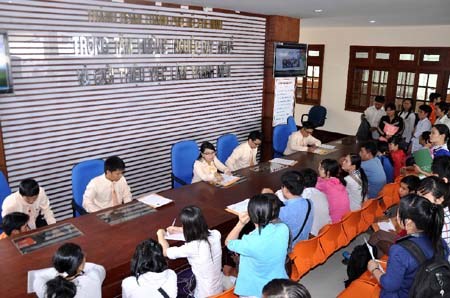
[327, 280]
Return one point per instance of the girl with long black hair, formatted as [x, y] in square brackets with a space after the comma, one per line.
[356, 181]
[202, 249]
[70, 276]
[423, 223]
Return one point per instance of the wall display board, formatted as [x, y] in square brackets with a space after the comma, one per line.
[284, 100]
[99, 78]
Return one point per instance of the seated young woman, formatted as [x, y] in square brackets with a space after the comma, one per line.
[356, 182]
[151, 276]
[70, 276]
[263, 251]
[423, 223]
[207, 165]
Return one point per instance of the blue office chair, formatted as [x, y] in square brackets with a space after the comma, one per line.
[82, 173]
[280, 139]
[4, 192]
[316, 115]
[225, 146]
[291, 123]
[184, 154]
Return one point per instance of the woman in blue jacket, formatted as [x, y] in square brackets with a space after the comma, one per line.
[423, 223]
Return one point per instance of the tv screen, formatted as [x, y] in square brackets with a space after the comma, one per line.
[5, 77]
[290, 59]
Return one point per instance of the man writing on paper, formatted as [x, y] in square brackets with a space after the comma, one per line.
[302, 140]
[244, 155]
[107, 190]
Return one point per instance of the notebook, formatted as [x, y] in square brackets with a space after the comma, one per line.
[238, 208]
[423, 159]
[227, 180]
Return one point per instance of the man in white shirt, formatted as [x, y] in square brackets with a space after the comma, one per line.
[107, 190]
[302, 140]
[374, 113]
[31, 200]
[244, 155]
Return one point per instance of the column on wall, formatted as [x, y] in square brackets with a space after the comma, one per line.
[278, 29]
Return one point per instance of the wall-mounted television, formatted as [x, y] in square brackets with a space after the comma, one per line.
[289, 59]
[5, 65]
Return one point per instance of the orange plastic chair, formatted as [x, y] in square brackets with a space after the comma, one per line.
[369, 211]
[350, 225]
[361, 288]
[305, 255]
[390, 195]
[332, 239]
[227, 294]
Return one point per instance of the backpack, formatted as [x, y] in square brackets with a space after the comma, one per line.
[357, 264]
[432, 278]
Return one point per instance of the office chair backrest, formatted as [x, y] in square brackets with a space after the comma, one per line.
[281, 135]
[82, 174]
[4, 192]
[316, 115]
[291, 123]
[183, 156]
[225, 146]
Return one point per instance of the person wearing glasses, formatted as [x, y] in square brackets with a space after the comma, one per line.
[302, 140]
[244, 155]
[207, 165]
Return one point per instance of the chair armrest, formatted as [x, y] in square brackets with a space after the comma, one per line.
[78, 208]
[179, 180]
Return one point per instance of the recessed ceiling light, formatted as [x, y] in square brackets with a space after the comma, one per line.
[318, 10]
[372, 21]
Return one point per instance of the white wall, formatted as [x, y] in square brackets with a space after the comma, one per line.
[337, 44]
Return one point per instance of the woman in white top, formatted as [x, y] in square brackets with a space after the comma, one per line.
[202, 249]
[441, 114]
[409, 118]
[207, 165]
[356, 181]
[70, 277]
[150, 274]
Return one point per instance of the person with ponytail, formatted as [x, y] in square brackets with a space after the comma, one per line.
[150, 275]
[423, 223]
[263, 251]
[70, 276]
[333, 188]
[439, 139]
[409, 118]
[202, 249]
[356, 182]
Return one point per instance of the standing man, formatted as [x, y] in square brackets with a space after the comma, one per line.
[373, 115]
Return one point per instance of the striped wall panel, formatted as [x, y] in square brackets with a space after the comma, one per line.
[52, 122]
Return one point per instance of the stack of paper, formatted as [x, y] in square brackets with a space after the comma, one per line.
[386, 226]
[326, 146]
[283, 161]
[155, 200]
[238, 208]
[228, 180]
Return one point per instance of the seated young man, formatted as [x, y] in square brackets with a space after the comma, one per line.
[14, 224]
[302, 140]
[295, 210]
[109, 189]
[29, 199]
[373, 168]
[244, 155]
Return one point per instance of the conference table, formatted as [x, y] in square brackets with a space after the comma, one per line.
[113, 245]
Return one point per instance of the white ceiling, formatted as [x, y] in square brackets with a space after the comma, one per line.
[342, 12]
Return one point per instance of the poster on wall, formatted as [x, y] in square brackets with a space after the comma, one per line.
[284, 100]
